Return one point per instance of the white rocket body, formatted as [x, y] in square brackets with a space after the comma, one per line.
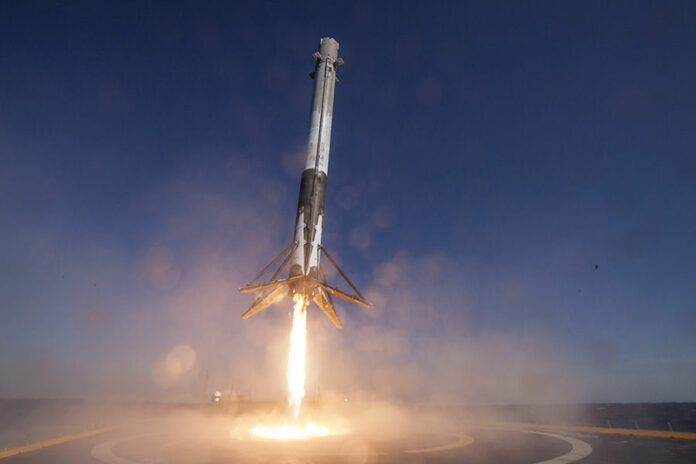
[305, 274]
[310, 207]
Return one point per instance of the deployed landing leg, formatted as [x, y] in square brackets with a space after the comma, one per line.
[274, 289]
[325, 302]
[252, 286]
[359, 299]
[265, 301]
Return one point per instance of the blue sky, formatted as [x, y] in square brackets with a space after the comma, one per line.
[485, 157]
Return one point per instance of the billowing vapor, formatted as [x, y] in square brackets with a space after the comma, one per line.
[163, 324]
[158, 319]
[422, 342]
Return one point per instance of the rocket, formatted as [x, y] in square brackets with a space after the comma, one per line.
[305, 273]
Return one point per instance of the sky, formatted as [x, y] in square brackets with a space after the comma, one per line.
[511, 184]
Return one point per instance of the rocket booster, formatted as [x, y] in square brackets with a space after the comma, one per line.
[306, 275]
[310, 206]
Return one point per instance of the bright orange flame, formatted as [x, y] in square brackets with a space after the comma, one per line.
[294, 431]
[296, 359]
[296, 391]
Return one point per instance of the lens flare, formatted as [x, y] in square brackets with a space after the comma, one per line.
[296, 359]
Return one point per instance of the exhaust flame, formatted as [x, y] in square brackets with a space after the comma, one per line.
[296, 392]
[296, 360]
[294, 431]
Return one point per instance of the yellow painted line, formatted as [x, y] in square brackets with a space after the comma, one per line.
[462, 440]
[7, 452]
[609, 431]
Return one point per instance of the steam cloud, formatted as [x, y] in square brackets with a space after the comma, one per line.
[147, 322]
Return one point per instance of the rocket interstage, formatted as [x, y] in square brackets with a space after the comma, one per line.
[303, 256]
